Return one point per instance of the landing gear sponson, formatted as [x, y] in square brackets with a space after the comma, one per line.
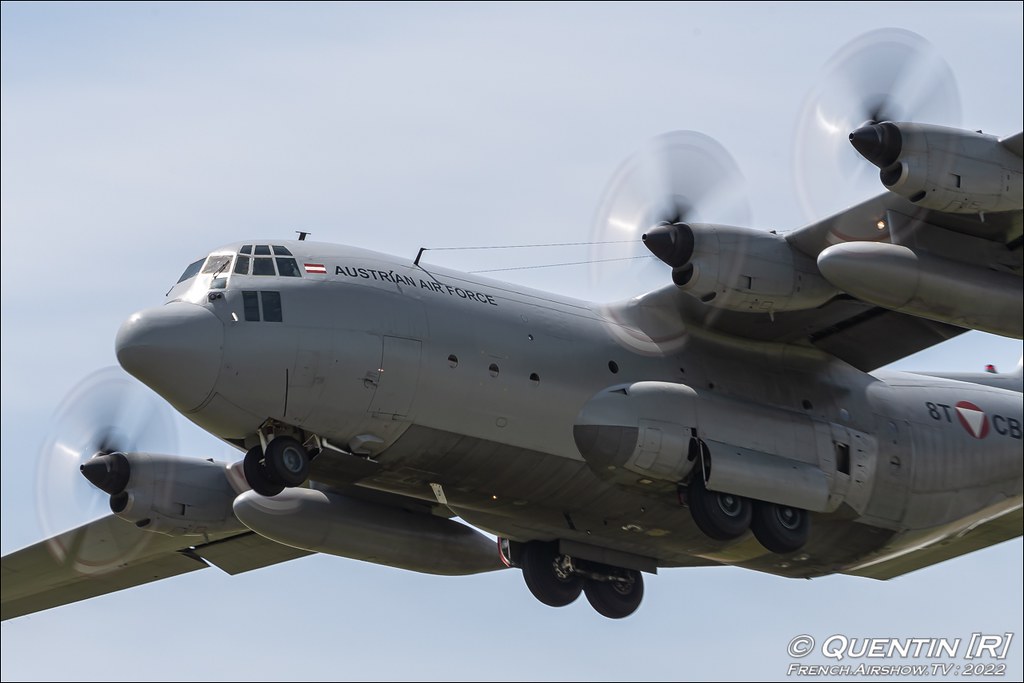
[556, 579]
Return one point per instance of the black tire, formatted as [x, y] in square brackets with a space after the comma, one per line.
[287, 461]
[538, 561]
[721, 516]
[257, 476]
[780, 528]
[616, 599]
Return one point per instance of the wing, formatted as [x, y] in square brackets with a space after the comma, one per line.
[981, 531]
[110, 554]
[863, 334]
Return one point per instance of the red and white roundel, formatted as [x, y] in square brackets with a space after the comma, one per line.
[973, 419]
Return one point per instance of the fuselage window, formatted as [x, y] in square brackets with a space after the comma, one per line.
[271, 306]
[287, 267]
[242, 265]
[247, 249]
[262, 250]
[281, 251]
[263, 266]
[192, 270]
[251, 303]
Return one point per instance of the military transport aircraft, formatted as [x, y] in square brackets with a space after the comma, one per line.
[732, 417]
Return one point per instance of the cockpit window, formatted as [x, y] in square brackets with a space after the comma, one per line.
[262, 250]
[247, 249]
[192, 270]
[281, 251]
[263, 266]
[242, 265]
[287, 267]
[217, 264]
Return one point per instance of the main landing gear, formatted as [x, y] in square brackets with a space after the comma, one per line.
[284, 463]
[557, 580]
[726, 516]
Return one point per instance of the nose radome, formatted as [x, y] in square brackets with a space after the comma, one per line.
[175, 349]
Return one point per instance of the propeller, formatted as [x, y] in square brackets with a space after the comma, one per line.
[884, 75]
[80, 463]
[675, 177]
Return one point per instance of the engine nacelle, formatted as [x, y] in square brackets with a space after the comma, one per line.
[168, 494]
[944, 169]
[739, 269]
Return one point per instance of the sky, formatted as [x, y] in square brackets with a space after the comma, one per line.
[137, 137]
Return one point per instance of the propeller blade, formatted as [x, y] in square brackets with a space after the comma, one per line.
[675, 177]
[80, 462]
[883, 75]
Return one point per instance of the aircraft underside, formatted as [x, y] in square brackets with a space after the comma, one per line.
[527, 495]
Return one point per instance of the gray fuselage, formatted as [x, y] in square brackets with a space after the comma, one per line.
[442, 381]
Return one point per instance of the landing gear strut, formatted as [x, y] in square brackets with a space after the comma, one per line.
[284, 463]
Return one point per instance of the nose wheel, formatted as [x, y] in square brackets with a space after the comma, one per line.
[549, 576]
[616, 598]
[284, 463]
[557, 580]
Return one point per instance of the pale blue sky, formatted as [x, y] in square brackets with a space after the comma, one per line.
[134, 138]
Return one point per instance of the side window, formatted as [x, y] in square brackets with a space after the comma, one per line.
[281, 251]
[271, 306]
[262, 250]
[251, 303]
[263, 266]
[287, 267]
[242, 265]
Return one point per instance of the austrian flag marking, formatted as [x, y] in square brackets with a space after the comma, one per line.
[317, 268]
[973, 419]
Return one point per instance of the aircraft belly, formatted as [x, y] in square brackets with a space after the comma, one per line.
[527, 495]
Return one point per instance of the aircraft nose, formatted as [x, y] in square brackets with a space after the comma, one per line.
[174, 349]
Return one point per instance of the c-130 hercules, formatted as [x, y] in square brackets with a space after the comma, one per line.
[733, 417]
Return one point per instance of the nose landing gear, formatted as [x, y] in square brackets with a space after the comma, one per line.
[557, 580]
[283, 463]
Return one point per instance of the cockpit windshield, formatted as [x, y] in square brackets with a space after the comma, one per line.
[191, 271]
[203, 275]
[212, 272]
[217, 264]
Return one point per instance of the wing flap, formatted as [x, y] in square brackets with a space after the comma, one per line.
[246, 552]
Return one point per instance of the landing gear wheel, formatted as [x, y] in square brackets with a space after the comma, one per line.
[616, 599]
[722, 516]
[780, 528]
[257, 476]
[544, 577]
[287, 461]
